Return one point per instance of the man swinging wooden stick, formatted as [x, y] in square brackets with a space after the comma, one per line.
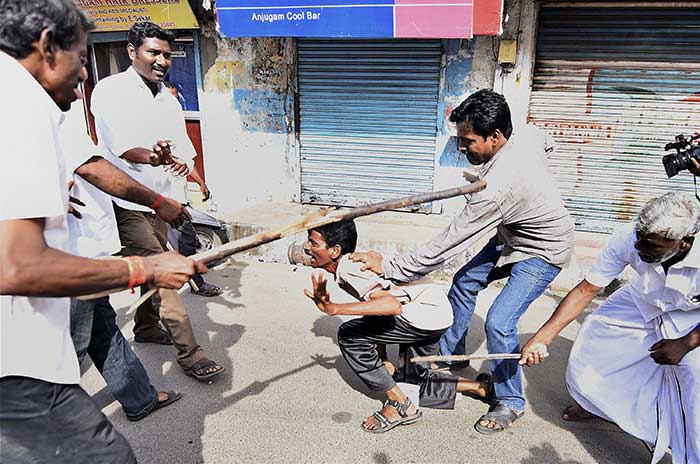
[532, 243]
[317, 219]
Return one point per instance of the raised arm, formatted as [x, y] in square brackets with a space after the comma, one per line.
[476, 220]
[112, 180]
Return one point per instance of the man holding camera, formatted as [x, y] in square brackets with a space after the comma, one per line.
[635, 361]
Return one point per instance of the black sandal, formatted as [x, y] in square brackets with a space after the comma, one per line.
[501, 415]
[209, 290]
[198, 370]
[172, 397]
[382, 424]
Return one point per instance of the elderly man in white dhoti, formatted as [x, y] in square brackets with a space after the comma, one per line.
[635, 361]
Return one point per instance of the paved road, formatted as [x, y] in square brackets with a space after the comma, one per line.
[288, 397]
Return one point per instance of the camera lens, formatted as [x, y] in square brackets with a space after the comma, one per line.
[672, 165]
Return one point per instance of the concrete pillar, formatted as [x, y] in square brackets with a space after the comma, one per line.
[515, 84]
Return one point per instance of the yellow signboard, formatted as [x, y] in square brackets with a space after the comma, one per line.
[119, 15]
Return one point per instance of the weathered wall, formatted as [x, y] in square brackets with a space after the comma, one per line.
[248, 120]
[469, 65]
[248, 116]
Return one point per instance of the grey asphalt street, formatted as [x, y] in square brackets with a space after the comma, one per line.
[288, 396]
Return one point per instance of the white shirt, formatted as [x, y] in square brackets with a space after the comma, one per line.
[96, 233]
[127, 115]
[34, 332]
[676, 293]
[423, 304]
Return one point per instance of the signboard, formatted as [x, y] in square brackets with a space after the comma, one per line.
[487, 17]
[119, 15]
[346, 18]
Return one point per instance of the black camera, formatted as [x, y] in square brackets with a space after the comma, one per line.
[687, 147]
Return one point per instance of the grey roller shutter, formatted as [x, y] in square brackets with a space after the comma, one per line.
[367, 114]
[613, 86]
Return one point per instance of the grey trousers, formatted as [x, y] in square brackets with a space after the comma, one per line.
[42, 422]
[358, 341]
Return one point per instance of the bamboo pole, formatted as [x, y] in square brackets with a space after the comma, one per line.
[466, 357]
[318, 219]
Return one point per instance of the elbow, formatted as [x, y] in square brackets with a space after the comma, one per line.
[12, 279]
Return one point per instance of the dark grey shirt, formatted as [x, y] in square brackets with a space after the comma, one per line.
[521, 201]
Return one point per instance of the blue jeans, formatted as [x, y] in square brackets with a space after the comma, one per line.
[94, 331]
[527, 280]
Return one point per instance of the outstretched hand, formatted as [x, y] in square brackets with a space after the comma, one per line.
[371, 259]
[320, 295]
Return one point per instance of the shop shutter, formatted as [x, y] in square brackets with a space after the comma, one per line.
[613, 86]
[368, 119]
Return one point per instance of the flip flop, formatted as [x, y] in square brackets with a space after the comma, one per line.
[172, 397]
[501, 415]
[209, 290]
[383, 424]
[203, 365]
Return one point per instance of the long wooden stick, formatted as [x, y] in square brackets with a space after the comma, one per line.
[466, 357]
[318, 219]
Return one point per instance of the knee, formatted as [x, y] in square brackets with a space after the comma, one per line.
[345, 334]
[464, 285]
[497, 327]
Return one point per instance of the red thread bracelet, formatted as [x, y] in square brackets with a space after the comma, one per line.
[159, 201]
[137, 271]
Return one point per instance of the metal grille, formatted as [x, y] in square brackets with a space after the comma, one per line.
[368, 119]
[613, 86]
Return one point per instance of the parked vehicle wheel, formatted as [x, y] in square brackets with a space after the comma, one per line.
[208, 238]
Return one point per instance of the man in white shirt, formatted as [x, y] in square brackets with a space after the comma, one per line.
[636, 360]
[44, 414]
[94, 329]
[133, 110]
[413, 315]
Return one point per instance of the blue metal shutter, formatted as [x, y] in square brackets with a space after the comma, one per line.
[368, 119]
[613, 86]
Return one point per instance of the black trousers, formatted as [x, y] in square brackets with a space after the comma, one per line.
[358, 340]
[187, 245]
[42, 422]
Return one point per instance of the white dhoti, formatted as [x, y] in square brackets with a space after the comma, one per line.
[611, 374]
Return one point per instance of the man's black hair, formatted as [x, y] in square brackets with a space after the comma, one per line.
[146, 30]
[343, 233]
[484, 111]
[21, 23]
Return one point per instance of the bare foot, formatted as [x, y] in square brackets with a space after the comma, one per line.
[575, 412]
[391, 414]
